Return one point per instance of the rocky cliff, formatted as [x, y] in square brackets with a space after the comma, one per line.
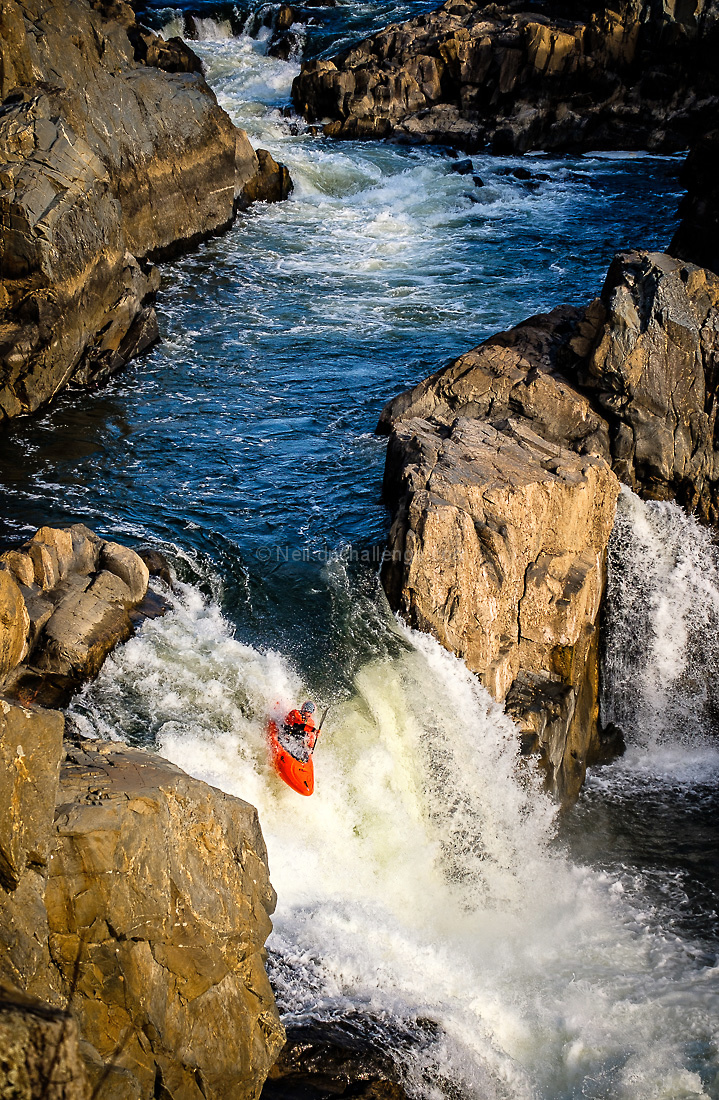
[502, 474]
[113, 151]
[522, 76]
[134, 900]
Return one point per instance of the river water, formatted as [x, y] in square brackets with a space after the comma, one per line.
[428, 887]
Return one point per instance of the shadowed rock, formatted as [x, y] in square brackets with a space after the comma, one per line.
[40, 1053]
[521, 77]
[113, 152]
[697, 238]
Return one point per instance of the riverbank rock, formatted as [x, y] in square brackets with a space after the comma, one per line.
[113, 153]
[494, 459]
[140, 898]
[653, 372]
[39, 1050]
[342, 1058]
[697, 238]
[30, 753]
[158, 902]
[498, 549]
[520, 77]
[67, 598]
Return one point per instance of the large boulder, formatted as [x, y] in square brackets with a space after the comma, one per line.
[158, 905]
[498, 549]
[66, 599]
[493, 459]
[113, 151]
[138, 898]
[535, 76]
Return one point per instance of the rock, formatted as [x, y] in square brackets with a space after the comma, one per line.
[271, 183]
[159, 900]
[127, 565]
[14, 623]
[497, 548]
[339, 1059]
[631, 382]
[653, 372]
[30, 752]
[39, 1050]
[697, 238]
[522, 372]
[72, 607]
[526, 77]
[113, 152]
[157, 565]
[141, 898]
[462, 167]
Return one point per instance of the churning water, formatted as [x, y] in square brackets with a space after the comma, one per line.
[427, 888]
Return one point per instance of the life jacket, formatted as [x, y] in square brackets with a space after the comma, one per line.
[304, 726]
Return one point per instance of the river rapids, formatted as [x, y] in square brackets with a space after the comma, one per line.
[429, 887]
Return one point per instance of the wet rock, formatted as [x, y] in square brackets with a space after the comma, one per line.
[349, 1056]
[113, 151]
[271, 183]
[497, 548]
[519, 78]
[39, 1050]
[697, 238]
[158, 905]
[157, 565]
[462, 167]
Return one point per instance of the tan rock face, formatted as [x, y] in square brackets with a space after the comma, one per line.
[112, 148]
[469, 74]
[14, 623]
[159, 896]
[40, 1052]
[30, 752]
[499, 532]
[65, 599]
[497, 548]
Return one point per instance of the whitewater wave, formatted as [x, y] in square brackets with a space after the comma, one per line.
[421, 882]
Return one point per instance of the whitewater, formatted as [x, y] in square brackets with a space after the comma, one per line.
[423, 882]
[428, 892]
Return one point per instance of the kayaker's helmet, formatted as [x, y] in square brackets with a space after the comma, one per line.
[308, 708]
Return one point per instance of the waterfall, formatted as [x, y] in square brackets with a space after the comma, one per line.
[662, 638]
[421, 887]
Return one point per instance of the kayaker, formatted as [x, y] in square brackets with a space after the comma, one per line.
[301, 724]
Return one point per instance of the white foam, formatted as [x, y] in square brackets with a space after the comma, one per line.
[662, 640]
[419, 882]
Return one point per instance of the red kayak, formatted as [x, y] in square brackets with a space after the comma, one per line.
[292, 763]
